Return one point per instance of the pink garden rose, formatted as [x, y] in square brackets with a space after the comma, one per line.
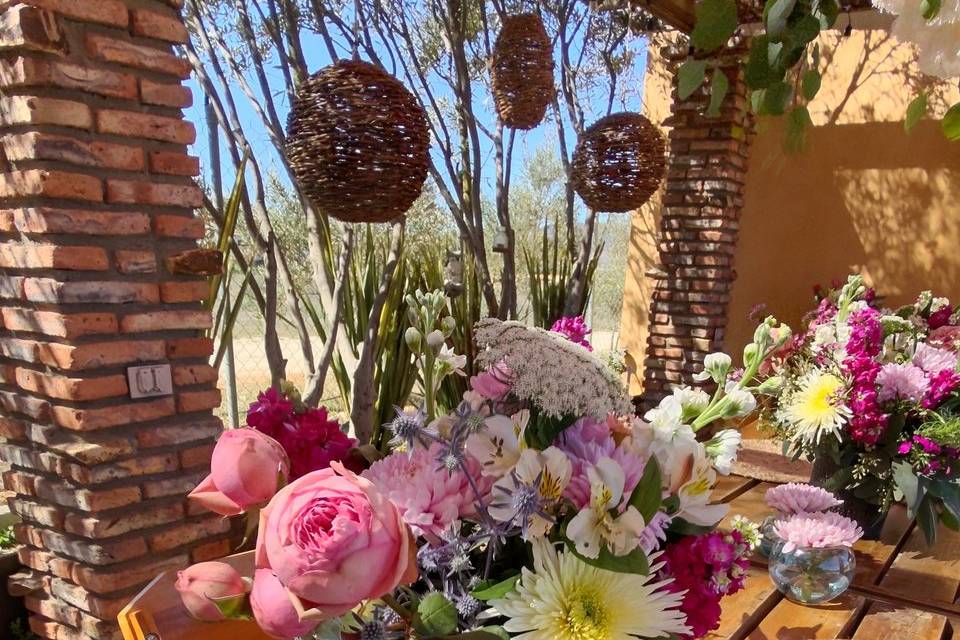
[246, 470]
[202, 584]
[494, 383]
[332, 539]
[273, 609]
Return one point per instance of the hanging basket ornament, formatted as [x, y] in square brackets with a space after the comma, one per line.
[619, 162]
[358, 143]
[522, 73]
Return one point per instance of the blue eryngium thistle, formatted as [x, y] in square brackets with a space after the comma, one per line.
[373, 630]
[409, 429]
[467, 606]
[525, 501]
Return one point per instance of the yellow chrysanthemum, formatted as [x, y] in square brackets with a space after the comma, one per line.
[563, 598]
[817, 408]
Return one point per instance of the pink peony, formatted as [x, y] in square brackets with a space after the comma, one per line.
[314, 441]
[270, 412]
[585, 443]
[429, 497]
[573, 329]
[332, 540]
[901, 382]
[273, 610]
[246, 470]
[817, 530]
[795, 497]
[202, 585]
[494, 383]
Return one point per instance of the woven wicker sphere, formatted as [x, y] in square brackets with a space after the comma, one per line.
[358, 143]
[619, 162]
[522, 73]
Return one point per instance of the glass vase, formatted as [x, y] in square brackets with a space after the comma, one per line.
[811, 575]
[768, 536]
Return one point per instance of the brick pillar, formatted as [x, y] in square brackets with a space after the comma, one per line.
[96, 199]
[706, 171]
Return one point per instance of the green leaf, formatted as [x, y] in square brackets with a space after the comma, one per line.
[811, 83]
[775, 98]
[233, 607]
[775, 15]
[684, 528]
[951, 123]
[436, 616]
[927, 519]
[716, 22]
[483, 633]
[949, 495]
[803, 32]
[497, 590]
[930, 9]
[543, 430]
[827, 12]
[757, 72]
[718, 91]
[647, 495]
[908, 483]
[633, 562]
[797, 123]
[690, 76]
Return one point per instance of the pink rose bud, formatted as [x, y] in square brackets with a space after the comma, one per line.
[246, 470]
[273, 609]
[203, 585]
[333, 540]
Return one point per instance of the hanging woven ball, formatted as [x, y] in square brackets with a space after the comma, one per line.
[522, 74]
[358, 143]
[619, 162]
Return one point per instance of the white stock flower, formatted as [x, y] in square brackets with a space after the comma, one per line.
[742, 402]
[722, 448]
[454, 362]
[715, 367]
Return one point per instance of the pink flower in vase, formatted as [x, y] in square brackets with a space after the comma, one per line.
[817, 530]
[575, 330]
[795, 497]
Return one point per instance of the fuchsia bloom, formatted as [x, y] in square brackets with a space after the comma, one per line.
[270, 412]
[940, 318]
[865, 343]
[584, 444]
[817, 530]
[575, 329]
[941, 386]
[707, 567]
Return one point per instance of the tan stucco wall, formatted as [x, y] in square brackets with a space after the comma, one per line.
[863, 196]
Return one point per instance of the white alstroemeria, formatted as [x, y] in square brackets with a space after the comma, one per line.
[742, 402]
[722, 449]
[453, 362]
[663, 430]
[594, 526]
[497, 447]
[526, 496]
[693, 402]
[691, 478]
[716, 366]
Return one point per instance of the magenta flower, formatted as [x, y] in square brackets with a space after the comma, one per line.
[270, 412]
[817, 530]
[795, 497]
[313, 441]
[940, 318]
[575, 329]
[941, 386]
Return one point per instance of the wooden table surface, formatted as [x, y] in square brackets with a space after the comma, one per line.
[903, 589]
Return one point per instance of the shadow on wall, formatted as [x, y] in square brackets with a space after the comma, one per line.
[863, 197]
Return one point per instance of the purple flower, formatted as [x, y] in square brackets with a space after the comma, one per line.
[574, 329]
[933, 359]
[901, 382]
[584, 444]
[817, 530]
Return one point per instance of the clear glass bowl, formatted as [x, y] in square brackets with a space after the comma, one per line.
[768, 537]
[812, 575]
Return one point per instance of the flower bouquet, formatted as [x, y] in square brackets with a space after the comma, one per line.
[870, 394]
[538, 508]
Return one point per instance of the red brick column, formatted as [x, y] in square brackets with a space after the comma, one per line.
[706, 171]
[96, 198]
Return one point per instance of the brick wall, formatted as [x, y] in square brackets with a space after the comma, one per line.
[96, 198]
[706, 171]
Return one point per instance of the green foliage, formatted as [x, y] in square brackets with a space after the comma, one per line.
[548, 273]
[951, 123]
[634, 562]
[7, 538]
[811, 84]
[542, 430]
[916, 111]
[716, 23]
[495, 591]
[647, 495]
[718, 91]
[797, 124]
[436, 616]
[930, 9]
[20, 631]
[690, 76]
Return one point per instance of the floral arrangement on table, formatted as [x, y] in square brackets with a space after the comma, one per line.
[811, 559]
[870, 394]
[539, 508]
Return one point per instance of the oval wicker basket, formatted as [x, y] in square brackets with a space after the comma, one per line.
[619, 162]
[522, 73]
[358, 143]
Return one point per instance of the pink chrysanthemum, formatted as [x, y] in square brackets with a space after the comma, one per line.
[575, 329]
[933, 360]
[794, 497]
[429, 497]
[901, 382]
[655, 532]
[817, 530]
[585, 443]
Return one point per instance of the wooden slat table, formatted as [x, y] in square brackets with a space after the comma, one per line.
[903, 589]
